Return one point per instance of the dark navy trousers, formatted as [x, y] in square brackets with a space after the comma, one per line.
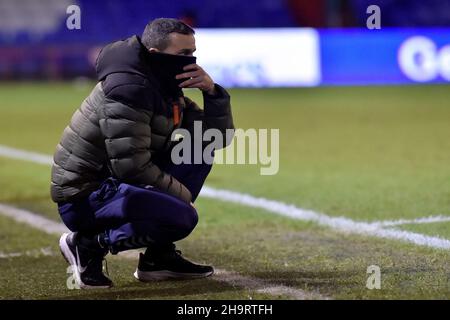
[133, 217]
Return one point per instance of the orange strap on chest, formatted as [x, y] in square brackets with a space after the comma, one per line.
[176, 114]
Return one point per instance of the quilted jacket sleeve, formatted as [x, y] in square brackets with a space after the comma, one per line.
[215, 115]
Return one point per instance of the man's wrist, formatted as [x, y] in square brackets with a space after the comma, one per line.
[212, 91]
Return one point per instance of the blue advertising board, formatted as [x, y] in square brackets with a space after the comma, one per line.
[308, 57]
[386, 56]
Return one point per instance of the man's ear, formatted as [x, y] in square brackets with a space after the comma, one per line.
[153, 50]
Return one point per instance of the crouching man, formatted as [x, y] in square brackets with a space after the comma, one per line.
[113, 177]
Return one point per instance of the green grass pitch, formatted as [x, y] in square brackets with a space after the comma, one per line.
[365, 153]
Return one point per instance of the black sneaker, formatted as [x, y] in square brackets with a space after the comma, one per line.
[170, 265]
[87, 264]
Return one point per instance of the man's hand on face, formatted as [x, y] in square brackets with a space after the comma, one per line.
[198, 79]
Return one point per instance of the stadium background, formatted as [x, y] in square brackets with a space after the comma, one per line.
[364, 125]
[36, 44]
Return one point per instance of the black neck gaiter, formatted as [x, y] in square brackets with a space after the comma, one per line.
[165, 67]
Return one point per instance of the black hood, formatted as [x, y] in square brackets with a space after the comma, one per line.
[130, 56]
[124, 56]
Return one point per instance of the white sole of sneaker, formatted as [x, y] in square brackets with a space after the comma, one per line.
[148, 276]
[72, 260]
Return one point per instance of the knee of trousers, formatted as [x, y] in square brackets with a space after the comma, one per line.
[188, 222]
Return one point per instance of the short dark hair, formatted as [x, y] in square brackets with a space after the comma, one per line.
[156, 33]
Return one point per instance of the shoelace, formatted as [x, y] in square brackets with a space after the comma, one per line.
[177, 254]
[103, 262]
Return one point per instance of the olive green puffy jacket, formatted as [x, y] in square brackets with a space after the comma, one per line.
[123, 124]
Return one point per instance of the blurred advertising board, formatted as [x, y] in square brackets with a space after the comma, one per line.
[270, 57]
[386, 56]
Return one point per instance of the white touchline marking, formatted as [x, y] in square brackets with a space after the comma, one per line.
[32, 219]
[54, 228]
[9, 152]
[337, 223]
[430, 219]
[266, 287]
[46, 252]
